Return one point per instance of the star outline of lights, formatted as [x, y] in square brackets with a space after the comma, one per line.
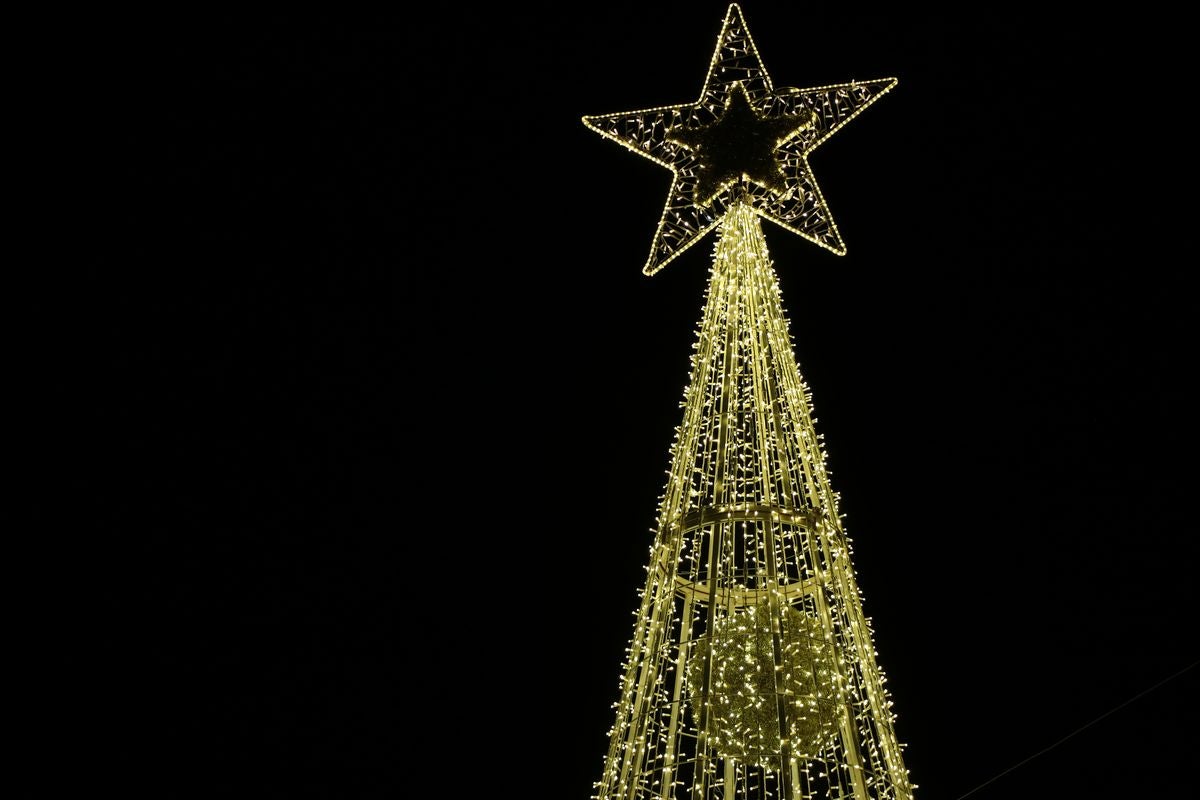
[737, 65]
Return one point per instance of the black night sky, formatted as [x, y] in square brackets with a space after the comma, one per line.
[390, 399]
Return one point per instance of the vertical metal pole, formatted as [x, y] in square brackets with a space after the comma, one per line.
[685, 646]
[716, 537]
[769, 527]
[846, 725]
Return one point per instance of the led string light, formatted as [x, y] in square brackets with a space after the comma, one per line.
[751, 672]
[736, 69]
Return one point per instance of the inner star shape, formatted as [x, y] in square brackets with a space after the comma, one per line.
[740, 144]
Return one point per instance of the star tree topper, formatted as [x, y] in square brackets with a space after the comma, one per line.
[742, 141]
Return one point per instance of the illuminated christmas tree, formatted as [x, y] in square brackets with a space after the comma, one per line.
[751, 672]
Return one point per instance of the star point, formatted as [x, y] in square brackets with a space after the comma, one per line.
[741, 141]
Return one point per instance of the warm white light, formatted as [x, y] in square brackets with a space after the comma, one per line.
[751, 672]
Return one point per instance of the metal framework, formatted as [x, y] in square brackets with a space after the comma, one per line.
[751, 672]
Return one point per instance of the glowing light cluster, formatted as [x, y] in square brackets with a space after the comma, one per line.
[745, 688]
[790, 197]
[751, 673]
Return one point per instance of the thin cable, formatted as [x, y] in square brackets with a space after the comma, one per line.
[1137, 696]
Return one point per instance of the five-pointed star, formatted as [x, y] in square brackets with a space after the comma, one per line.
[741, 141]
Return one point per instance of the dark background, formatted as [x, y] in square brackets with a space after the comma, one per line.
[383, 400]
